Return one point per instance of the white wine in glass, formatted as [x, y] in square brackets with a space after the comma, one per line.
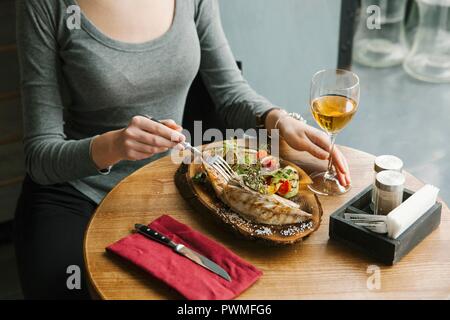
[334, 101]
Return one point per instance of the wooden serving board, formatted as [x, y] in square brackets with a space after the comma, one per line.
[202, 197]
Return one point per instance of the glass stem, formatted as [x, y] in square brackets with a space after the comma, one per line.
[331, 173]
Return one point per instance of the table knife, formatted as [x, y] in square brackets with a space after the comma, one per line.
[182, 250]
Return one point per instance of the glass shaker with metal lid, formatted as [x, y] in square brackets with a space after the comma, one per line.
[389, 185]
[382, 163]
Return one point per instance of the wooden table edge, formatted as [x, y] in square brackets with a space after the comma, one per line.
[92, 287]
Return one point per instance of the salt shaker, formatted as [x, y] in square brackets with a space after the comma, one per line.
[389, 187]
[382, 163]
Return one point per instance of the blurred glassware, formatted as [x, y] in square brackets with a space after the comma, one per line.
[429, 59]
[380, 38]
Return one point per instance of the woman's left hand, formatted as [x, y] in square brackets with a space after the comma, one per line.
[303, 137]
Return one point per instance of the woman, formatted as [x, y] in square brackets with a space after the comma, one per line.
[82, 88]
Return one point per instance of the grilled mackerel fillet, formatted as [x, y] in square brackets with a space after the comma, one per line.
[256, 207]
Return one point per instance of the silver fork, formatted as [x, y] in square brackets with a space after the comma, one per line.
[223, 168]
[217, 163]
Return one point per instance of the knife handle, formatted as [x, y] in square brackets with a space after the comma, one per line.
[155, 235]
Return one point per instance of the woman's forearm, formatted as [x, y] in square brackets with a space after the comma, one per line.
[141, 139]
[103, 151]
[51, 159]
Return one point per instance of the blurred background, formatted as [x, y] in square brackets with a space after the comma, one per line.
[403, 65]
[399, 48]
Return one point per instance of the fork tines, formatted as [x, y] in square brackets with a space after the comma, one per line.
[221, 167]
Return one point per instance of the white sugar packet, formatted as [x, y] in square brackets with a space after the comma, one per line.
[402, 217]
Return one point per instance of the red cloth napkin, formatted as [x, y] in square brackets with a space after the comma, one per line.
[191, 280]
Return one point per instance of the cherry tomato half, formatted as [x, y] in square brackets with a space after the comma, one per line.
[285, 188]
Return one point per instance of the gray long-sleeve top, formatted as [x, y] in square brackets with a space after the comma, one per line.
[78, 83]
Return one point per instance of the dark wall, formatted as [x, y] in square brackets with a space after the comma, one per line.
[11, 157]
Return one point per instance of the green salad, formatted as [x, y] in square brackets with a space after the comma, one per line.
[260, 171]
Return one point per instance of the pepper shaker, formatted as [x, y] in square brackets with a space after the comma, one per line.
[389, 187]
[382, 163]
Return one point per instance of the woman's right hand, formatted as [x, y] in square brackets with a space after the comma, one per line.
[141, 139]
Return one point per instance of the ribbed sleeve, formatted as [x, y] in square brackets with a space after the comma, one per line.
[50, 158]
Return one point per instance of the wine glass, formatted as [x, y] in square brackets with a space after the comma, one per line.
[334, 100]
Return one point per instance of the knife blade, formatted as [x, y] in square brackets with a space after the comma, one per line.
[182, 250]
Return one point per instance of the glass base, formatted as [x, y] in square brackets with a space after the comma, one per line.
[429, 67]
[379, 53]
[327, 187]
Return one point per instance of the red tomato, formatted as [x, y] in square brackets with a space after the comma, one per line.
[269, 163]
[261, 154]
[285, 188]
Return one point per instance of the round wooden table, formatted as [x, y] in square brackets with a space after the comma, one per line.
[317, 268]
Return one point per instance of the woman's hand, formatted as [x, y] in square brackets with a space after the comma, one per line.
[303, 137]
[141, 139]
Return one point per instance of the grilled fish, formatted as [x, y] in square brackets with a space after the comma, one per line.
[254, 206]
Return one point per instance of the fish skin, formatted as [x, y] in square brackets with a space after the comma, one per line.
[264, 209]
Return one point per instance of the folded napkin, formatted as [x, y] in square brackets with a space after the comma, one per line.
[402, 217]
[191, 280]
